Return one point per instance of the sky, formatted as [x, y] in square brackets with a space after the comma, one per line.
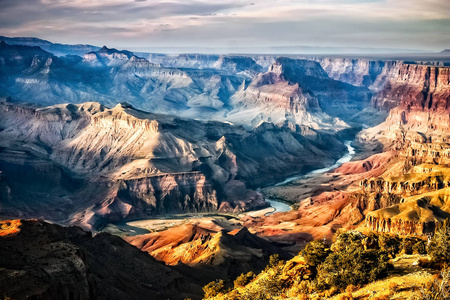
[405, 24]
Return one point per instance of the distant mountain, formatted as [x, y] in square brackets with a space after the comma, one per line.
[446, 52]
[55, 48]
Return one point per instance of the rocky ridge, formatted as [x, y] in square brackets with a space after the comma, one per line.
[112, 164]
[400, 189]
[47, 261]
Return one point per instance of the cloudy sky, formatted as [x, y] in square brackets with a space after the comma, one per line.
[406, 24]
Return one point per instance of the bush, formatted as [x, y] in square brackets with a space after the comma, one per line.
[352, 288]
[439, 246]
[419, 248]
[350, 263]
[244, 279]
[315, 253]
[389, 244]
[214, 288]
[437, 288]
[274, 261]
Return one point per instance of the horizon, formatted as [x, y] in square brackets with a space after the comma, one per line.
[273, 50]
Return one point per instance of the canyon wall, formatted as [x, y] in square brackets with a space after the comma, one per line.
[120, 163]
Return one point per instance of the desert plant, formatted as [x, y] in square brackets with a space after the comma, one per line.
[351, 288]
[274, 261]
[244, 279]
[315, 253]
[350, 263]
[214, 288]
[438, 288]
[419, 247]
[389, 244]
[439, 246]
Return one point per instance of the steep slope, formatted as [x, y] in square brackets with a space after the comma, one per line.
[298, 91]
[15, 58]
[401, 188]
[358, 72]
[415, 87]
[219, 253]
[110, 164]
[47, 261]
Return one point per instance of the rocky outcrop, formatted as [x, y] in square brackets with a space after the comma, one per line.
[107, 57]
[416, 215]
[47, 261]
[104, 165]
[171, 193]
[359, 72]
[226, 254]
[302, 88]
[15, 58]
[415, 88]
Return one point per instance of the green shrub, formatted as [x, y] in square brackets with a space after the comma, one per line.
[389, 244]
[350, 263]
[438, 288]
[315, 253]
[274, 261]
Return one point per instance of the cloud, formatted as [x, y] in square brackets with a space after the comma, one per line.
[383, 23]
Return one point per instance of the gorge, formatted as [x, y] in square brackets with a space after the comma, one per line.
[208, 164]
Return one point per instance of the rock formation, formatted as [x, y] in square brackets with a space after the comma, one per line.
[400, 190]
[106, 164]
[226, 254]
[46, 261]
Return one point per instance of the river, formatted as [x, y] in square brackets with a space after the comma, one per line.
[145, 225]
[283, 207]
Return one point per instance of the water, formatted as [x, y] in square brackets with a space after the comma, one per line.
[125, 229]
[346, 158]
[282, 207]
[278, 206]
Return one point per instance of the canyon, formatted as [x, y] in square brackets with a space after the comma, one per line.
[198, 143]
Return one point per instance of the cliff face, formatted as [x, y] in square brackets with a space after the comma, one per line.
[416, 215]
[400, 189]
[417, 88]
[106, 164]
[300, 92]
[359, 72]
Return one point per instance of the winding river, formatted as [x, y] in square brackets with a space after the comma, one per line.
[283, 207]
[145, 225]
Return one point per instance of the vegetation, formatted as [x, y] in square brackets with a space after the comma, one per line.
[315, 253]
[353, 259]
[439, 246]
[214, 288]
[438, 288]
[389, 244]
[319, 269]
[351, 264]
[419, 248]
[244, 279]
